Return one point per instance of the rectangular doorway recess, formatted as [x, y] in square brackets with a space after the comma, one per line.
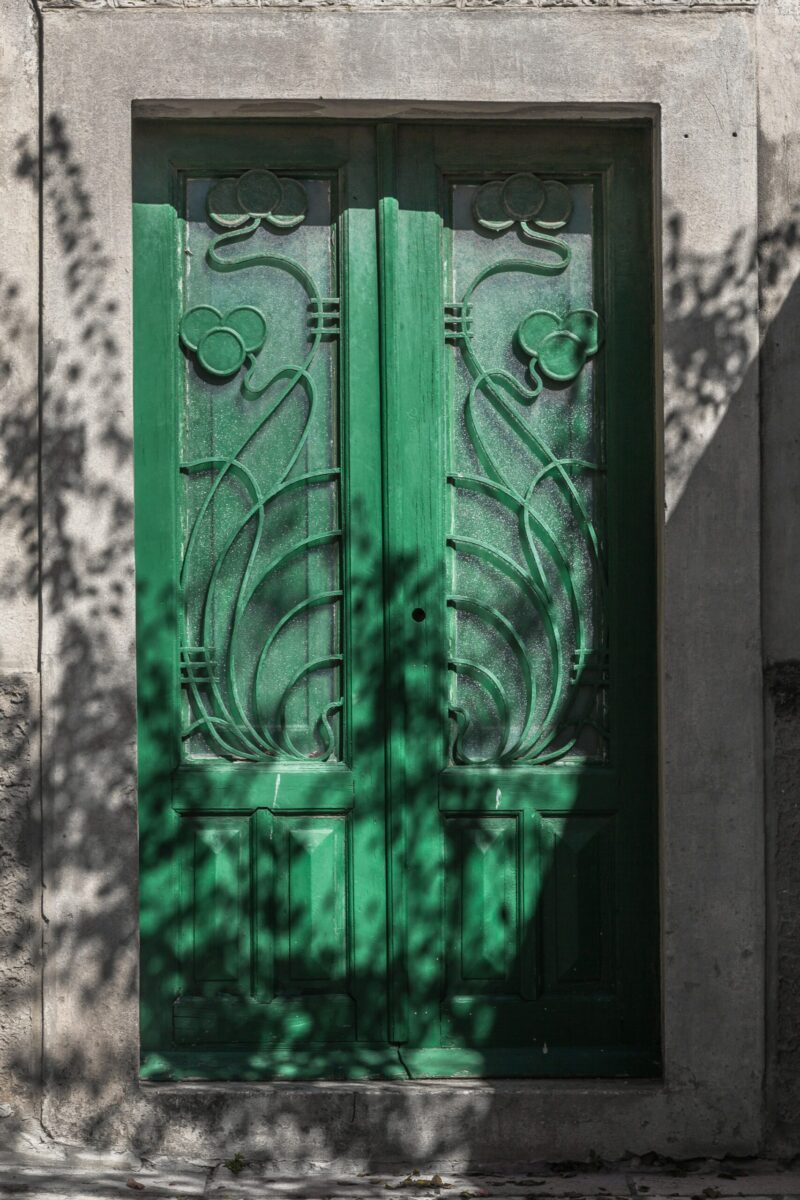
[396, 570]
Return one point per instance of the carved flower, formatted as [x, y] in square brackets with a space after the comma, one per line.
[221, 344]
[523, 198]
[258, 193]
[559, 346]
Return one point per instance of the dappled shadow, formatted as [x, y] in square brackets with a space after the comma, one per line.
[780, 366]
[75, 556]
[709, 314]
[709, 311]
[83, 567]
[273, 980]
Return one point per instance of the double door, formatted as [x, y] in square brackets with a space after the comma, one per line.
[396, 574]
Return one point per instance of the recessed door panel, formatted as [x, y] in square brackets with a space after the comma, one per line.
[260, 474]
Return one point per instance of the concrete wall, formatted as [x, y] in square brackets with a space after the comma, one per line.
[718, 86]
[20, 840]
[779, 253]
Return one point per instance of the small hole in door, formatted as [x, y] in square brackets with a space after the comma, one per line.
[418, 614]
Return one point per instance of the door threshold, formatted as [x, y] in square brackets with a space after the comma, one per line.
[253, 1066]
[380, 1062]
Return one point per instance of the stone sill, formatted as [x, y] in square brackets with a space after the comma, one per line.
[393, 5]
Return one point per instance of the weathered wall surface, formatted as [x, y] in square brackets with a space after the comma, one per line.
[779, 250]
[384, 5]
[783, 776]
[20, 910]
[694, 73]
[699, 68]
[19, 924]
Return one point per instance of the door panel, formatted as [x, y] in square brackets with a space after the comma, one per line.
[528, 756]
[260, 602]
[260, 475]
[526, 475]
[578, 904]
[395, 555]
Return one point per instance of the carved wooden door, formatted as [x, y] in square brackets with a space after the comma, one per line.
[395, 525]
[526, 793]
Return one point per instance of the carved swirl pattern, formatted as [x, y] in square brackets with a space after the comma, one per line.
[528, 650]
[234, 705]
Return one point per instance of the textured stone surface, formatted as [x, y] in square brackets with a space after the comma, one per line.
[19, 925]
[19, 334]
[20, 848]
[779, 269]
[98, 5]
[80, 1177]
[699, 74]
[783, 715]
[70, 1176]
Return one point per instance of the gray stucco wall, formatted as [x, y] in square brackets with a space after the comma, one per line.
[69, 951]
[20, 834]
[779, 252]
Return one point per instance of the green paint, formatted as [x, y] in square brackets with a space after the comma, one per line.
[395, 525]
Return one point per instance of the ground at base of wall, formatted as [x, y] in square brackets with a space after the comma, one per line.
[82, 1177]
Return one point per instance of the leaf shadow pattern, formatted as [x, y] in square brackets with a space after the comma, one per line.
[708, 311]
[710, 302]
[75, 556]
[82, 565]
[779, 367]
[78, 559]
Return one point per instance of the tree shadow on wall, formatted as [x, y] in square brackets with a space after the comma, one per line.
[75, 556]
[78, 556]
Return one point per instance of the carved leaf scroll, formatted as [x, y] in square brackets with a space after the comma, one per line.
[528, 655]
[261, 660]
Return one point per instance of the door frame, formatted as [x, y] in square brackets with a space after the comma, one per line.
[382, 63]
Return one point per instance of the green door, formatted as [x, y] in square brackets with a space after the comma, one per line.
[395, 534]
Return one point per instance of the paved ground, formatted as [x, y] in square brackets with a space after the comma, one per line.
[78, 1177]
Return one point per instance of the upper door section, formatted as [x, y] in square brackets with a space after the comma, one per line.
[261, 582]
